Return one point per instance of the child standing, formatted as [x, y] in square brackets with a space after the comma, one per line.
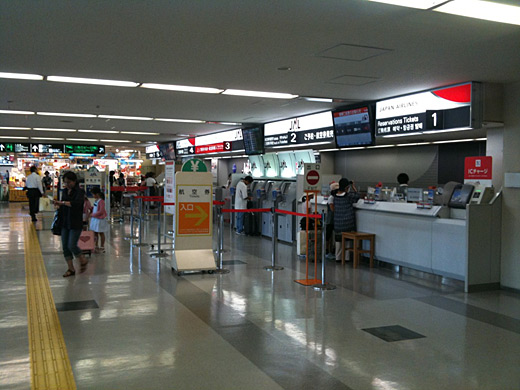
[98, 223]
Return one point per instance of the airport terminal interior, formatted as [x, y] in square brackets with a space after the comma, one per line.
[299, 194]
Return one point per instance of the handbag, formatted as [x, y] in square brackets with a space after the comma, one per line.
[57, 223]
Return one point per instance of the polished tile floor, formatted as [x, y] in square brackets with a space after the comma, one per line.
[129, 322]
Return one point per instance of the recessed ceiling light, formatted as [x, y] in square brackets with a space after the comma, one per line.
[179, 120]
[485, 10]
[48, 139]
[48, 129]
[20, 76]
[181, 88]
[81, 80]
[284, 68]
[67, 114]
[99, 131]
[82, 139]
[320, 100]
[115, 140]
[271, 95]
[16, 112]
[421, 4]
[12, 137]
[15, 128]
[133, 118]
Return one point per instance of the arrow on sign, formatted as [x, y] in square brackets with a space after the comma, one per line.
[35, 148]
[202, 215]
[101, 150]
[2, 147]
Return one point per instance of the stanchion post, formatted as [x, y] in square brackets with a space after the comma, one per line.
[131, 236]
[159, 253]
[324, 285]
[220, 268]
[274, 230]
[140, 244]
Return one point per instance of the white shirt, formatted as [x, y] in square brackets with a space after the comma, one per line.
[150, 181]
[34, 181]
[241, 196]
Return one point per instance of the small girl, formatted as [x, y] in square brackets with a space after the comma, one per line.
[87, 209]
[98, 223]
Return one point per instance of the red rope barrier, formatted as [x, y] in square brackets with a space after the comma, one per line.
[127, 189]
[218, 203]
[316, 216]
[246, 210]
[150, 198]
[168, 204]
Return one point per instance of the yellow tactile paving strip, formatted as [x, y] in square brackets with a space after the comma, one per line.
[50, 365]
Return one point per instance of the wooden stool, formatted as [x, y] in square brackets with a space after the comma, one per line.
[357, 249]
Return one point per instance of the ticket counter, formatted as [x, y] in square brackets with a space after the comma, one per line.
[465, 247]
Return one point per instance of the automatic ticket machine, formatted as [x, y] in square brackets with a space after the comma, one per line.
[271, 192]
[287, 223]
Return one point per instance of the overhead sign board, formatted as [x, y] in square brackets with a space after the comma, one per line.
[84, 149]
[14, 148]
[47, 148]
[478, 168]
[222, 142]
[309, 129]
[432, 111]
[153, 152]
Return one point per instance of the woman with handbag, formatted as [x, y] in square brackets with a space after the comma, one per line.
[71, 216]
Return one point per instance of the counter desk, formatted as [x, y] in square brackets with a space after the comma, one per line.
[465, 248]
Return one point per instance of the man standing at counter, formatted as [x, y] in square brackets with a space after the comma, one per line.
[344, 213]
[34, 192]
[241, 198]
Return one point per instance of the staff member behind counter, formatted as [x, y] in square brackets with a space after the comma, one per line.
[33, 183]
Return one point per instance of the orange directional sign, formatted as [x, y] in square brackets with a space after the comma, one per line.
[194, 210]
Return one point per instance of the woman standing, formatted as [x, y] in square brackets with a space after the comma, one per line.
[344, 213]
[71, 211]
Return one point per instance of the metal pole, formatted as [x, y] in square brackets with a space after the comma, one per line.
[324, 285]
[131, 236]
[274, 230]
[159, 253]
[220, 269]
[140, 244]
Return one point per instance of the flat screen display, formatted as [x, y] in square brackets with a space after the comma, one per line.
[353, 127]
[460, 196]
[253, 140]
[168, 150]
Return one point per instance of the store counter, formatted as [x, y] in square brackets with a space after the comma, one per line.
[17, 195]
[429, 240]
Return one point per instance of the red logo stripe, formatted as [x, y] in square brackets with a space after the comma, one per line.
[459, 94]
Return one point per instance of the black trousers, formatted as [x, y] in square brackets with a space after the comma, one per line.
[34, 196]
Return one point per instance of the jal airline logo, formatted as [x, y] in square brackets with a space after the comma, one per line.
[438, 99]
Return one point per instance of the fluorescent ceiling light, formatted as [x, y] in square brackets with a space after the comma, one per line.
[12, 137]
[227, 123]
[99, 131]
[272, 95]
[320, 100]
[16, 112]
[133, 118]
[15, 128]
[447, 131]
[139, 132]
[115, 140]
[67, 114]
[47, 129]
[180, 88]
[329, 150]
[453, 140]
[421, 4]
[48, 139]
[80, 80]
[179, 120]
[381, 146]
[20, 76]
[485, 10]
[358, 147]
[82, 139]
[480, 139]
[414, 144]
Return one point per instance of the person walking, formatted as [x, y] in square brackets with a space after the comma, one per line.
[98, 223]
[241, 198]
[47, 181]
[71, 211]
[344, 213]
[34, 192]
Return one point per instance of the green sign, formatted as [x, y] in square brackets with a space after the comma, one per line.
[194, 165]
[85, 149]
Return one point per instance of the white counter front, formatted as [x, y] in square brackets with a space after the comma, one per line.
[426, 240]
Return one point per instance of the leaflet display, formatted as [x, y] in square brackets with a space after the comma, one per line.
[432, 111]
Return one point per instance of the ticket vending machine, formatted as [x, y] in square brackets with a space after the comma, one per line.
[271, 190]
[287, 223]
